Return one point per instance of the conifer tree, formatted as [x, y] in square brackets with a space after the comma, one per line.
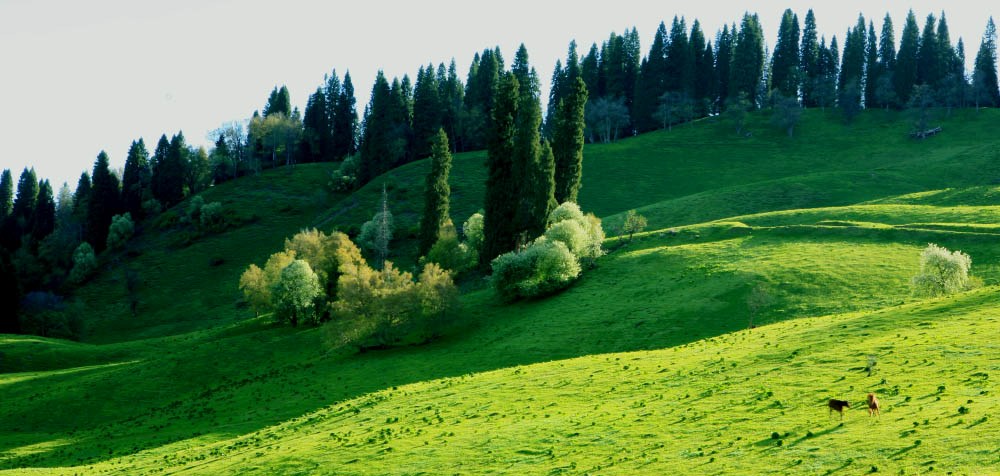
[426, 112]
[568, 139]
[103, 203]
[984, 73]
[852, 67]
[332, 91]
[375, 142]
[437, 192]
[679, 65]
[279, 102]
[26, 199]
[453, 98]
[501, 201]
[871, 66]
[316, 128]
[172, 170]
[885, 88]
[810, 61]
[748, 60]
[723, 64]
[344, 121]
[785, 61]
[947, 57]
[905, 74]
[81, 202]
[532, 183]
[44, 219]
[928, 55]
[6, 194]
[590, 69]
[703, 70]
[136, 179]
[652, 83]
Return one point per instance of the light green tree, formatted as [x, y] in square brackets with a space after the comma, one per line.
[942, 272]
[120, 230]
[295, 292]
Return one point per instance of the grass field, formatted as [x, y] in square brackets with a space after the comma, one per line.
[644, 366]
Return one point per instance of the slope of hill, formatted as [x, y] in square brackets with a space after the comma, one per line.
[193, 383]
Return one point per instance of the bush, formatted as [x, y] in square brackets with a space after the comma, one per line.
[120, 231]
[368, 238]
[473, 231]
[344, 179]
[941, 272]
[211, 217]
[541, 269]
[194, 208]
[84, 263]
[582, 234]
[151, 207]
[45, 314]
[449, 253]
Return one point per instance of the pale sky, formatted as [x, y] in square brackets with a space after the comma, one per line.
[81, 76]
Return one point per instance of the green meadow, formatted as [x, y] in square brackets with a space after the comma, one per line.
[645, 365]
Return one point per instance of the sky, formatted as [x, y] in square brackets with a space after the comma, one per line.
[81, 77]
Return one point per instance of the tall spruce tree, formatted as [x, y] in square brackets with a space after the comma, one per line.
[535, 195]
[568, 139]
[748, 61]
[400, 123]
[375, 141]
[345, 121]
[26, 200]
[279, 102]
[81, 203]
[651, 84]
[928, 55]
[785, 61]
[723, 64]
[905, 74]
[136, 179]
[679, 76]
[44, 220]
[852, 68]
[984, 73]
[437, 192]
[332, 91]
[590, 68]
[6, 194]
[703, 72]
[502, 200]
[871, 66]
[452, 98]
[810, 61]
[885, 88]
[316, 128]
[426, 112]
[103, 204]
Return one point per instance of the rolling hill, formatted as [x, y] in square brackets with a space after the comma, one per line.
[643, 366]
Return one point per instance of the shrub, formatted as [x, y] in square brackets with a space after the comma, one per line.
[344, 179]
[294, 293]
[582, 234]
[151, 207]
[541, 269]
[473, 231]
[120, 230]
[211, 217]
[84, 263]
[941, 272]
[449, 253]
[194, 208]
[369, 237]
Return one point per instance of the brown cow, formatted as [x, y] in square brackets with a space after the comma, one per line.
[839, 406]
[873, 406]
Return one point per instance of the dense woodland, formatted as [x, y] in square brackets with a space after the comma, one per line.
[52, 241]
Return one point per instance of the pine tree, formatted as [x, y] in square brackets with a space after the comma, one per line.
[928, 56]
[103, 203]
[785, 61]
[136, 179]
[332, 93]
[810, 61]
[704, 70]
[501, 202]
[679, 65]
[852, 68]
[748, 60]
[652, 83]
[172, 170]
[44, 219]
[316, 128]
[375, 142]
[568, 139]
[437, 192]
[81, 202]
[534, 205]
[984, 73]
[345, 121]
[885, 89]
[556, 88]
[947, 57]
[279, 102]
[453, 98]
[400, 123]
[723, 64]
[6, 195]
[26, 199]
[590, 69]
[426, 112]
[871, 67]
[905, 74]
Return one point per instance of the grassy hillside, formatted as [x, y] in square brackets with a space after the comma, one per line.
[643, 366]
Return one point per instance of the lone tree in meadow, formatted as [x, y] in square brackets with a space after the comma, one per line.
[436, 192]
[634, 223]
[942, 272]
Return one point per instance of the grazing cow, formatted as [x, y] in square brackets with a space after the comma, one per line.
[873, 406]
[839, 406]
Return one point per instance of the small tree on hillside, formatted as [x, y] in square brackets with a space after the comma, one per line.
[634, 223]
[736, 112]
[120, 231]
[294, 294]
[941, 272]
[84, 263]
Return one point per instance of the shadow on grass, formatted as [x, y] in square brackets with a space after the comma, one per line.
[818, 434]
